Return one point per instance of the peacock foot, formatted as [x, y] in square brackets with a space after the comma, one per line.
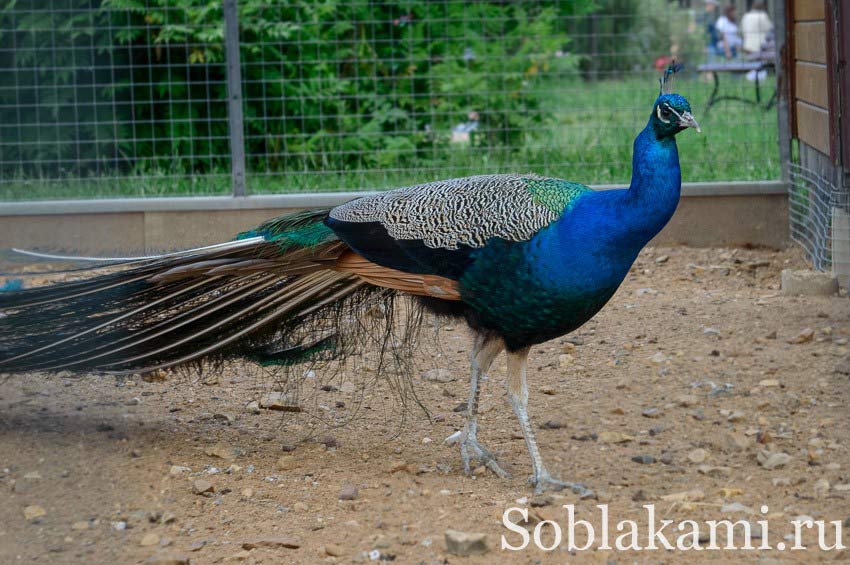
[544, 482]
[471, 449]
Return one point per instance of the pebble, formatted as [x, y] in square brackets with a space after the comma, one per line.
[714, 471]
[348, 492]
[272, 542]
[666, 458]
[200, 486]
[685, 496]
[662, 259]
[222, 452]
[729, 442]
[687, 400]
[548, 390]
[615, 437]
[280, 401]
[333, 550]
[804, 336]
[552, 425]
[644, 459]
[286, 463]
[697, 455]
[767, 383]
[735, 507]
[34, 512]
[651, 413]
[821, 488]
[464, 544]
[772, 460]
[658, 358]
[300, 507]
[253, 407]
[168, 560]
[149, 540]
[565, 360]
[735, 416]
[80, 526]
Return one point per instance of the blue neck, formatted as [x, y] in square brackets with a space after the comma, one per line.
[656, 184]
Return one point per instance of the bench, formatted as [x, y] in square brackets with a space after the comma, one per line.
[757, 64]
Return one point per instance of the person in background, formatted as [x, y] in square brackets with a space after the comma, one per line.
[709, 21]
[755, 27]
[730, 36]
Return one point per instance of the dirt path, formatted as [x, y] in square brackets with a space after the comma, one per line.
[675, 387]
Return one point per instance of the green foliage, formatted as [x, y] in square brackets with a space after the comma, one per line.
[331, 85]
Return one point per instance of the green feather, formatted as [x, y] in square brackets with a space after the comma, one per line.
[556, 194]
[301, 229]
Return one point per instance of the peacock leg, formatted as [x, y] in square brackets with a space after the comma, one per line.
[518, 394]
[484, 353]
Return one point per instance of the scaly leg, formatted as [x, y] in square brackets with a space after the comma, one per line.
[485, 351]
[518, 394]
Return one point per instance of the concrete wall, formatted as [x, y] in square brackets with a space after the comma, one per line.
[708, 215]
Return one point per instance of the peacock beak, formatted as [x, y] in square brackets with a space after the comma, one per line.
[688, 121]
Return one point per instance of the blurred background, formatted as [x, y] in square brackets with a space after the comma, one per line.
[119, 98]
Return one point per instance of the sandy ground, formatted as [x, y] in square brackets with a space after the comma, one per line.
[677, 394]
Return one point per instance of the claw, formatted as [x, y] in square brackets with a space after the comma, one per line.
[544, 482]
[470, 449]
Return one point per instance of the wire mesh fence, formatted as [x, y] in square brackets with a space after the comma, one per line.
[819, 215]
[130, 97]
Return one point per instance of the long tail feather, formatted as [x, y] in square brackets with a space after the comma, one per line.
[270, 295]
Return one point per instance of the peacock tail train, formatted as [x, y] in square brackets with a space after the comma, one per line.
[270, 296]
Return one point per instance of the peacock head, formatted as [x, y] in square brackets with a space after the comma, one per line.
[672, 112]
[670, 115]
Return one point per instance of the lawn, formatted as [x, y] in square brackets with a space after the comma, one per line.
[587, 137]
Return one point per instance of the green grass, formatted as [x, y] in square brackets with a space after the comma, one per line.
[587, 137]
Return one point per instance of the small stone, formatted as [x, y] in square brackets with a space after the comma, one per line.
[781, 482]
[149, 540]
[735, 416]
[651, 413]
[348, 492]
[808, 283]
[242, 555]
[34, 512]
[687, 400]
[333, 550]
[80, 526]
[286, 462]
[541, 500]
[697, 455]
[548, 390]
[248, 492]
[714, 471]
[300, 507]
[735, 507]
[772, 460]
[552, 425]
[804, 336]
[729, 442]
[222, 452]
[565, 361]
[615, 437]
[658, 358]
[273, 542]
[662, 259]
[644, 459]
[464, 544]
[253, 407]
[279, 401]
[200, 486]
[439, 376]
[767, 383]
[666, 458]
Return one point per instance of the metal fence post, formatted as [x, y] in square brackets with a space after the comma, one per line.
[235, 120]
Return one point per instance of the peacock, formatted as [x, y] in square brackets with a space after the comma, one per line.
[521, 258]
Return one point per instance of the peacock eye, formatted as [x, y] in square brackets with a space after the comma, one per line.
[665, 111]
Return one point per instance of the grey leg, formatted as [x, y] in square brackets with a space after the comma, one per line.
[518, 395]
[484, 353]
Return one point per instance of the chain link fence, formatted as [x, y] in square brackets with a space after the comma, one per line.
[819, 215]
[106, 98]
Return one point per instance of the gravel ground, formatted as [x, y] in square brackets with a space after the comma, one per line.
[700, 388]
